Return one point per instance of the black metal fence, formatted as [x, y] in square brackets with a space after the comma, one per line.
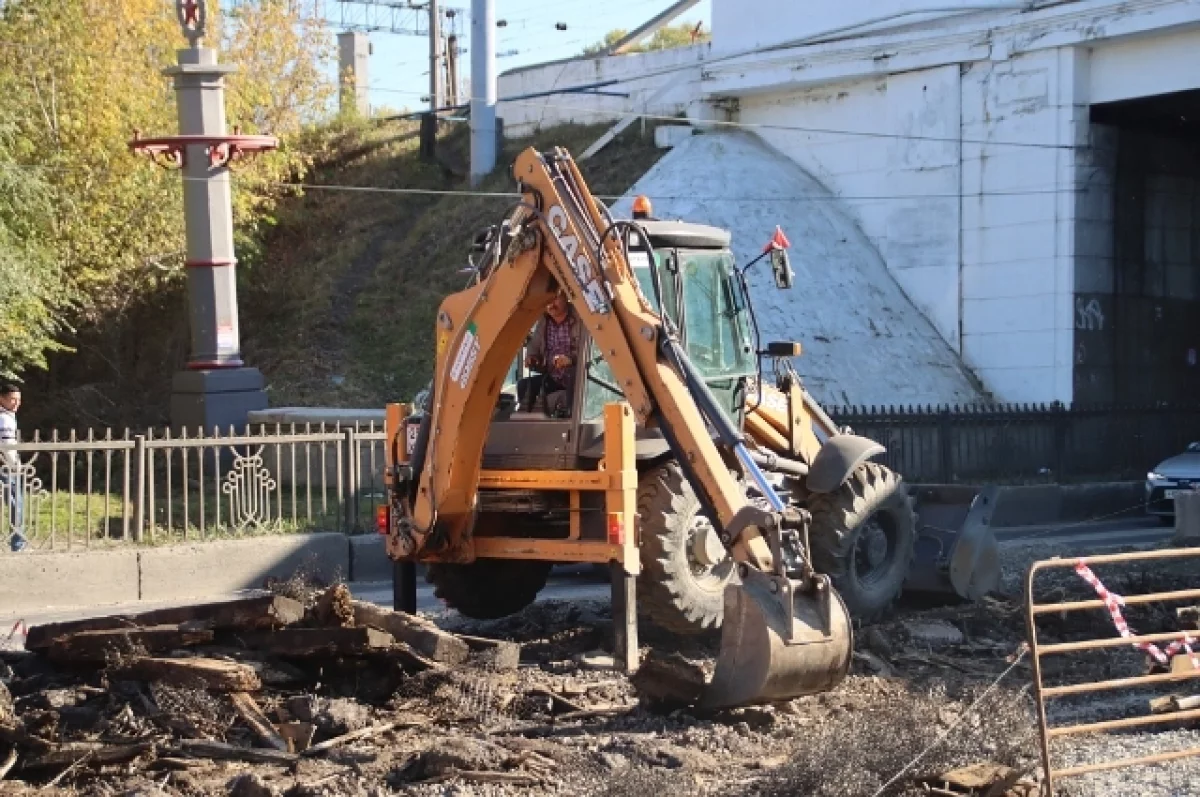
[1025, 444]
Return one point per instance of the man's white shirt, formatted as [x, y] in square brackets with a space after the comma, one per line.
[8, 434]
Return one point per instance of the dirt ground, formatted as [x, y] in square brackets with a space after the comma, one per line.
[924, 696]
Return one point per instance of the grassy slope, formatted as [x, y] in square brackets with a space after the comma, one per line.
[342, 313]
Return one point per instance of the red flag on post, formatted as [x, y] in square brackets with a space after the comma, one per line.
[778, 241]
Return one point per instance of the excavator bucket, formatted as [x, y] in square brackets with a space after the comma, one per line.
[770, 655]
[956, 551]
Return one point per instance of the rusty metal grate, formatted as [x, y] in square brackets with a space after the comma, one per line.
[1180, 661]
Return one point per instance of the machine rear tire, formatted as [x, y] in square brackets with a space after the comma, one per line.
[488, 589]
[872, 504]
[675, 590]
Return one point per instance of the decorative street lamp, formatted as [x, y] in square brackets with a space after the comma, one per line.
[217, 389]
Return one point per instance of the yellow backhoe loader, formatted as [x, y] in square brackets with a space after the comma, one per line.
[731, 503]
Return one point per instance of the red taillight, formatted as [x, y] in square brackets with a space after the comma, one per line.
[616, 529]
[381, 518]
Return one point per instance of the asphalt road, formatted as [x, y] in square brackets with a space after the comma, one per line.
[579, 584]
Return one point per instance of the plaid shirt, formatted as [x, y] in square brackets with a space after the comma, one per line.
[558, 341]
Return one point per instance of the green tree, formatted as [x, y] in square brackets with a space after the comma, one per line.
[77, 78]
[665, 38]
[33, 295]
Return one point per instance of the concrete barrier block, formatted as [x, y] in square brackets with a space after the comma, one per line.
[1187, 516]
[41, 581]
[1042, 504]
[219, 567]
[1110, 500]
[1027, 505]
[368, 559]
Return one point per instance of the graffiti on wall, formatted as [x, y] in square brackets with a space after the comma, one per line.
[1088, 315]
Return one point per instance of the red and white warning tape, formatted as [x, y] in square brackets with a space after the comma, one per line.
[1113, 602]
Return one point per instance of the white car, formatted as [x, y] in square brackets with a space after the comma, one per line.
[1169, 478]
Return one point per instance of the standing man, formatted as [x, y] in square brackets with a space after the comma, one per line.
[11, 492]
[553, 351]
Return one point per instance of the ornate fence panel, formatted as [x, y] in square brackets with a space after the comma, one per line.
[68, 492]
[74, 490]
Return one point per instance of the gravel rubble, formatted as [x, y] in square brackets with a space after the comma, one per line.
[925, 695]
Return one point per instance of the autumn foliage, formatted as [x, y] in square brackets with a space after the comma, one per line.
[87, 227]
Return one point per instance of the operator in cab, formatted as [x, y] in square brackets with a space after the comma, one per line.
[553, 350]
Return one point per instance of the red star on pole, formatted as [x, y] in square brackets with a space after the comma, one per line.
[191, 12]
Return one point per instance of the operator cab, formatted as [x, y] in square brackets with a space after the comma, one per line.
[705, 300]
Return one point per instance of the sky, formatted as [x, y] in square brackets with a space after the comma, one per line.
[399, 67]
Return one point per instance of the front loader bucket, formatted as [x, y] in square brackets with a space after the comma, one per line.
[758, 664]
[956, 551]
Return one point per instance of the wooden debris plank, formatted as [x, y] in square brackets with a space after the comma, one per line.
[317, 641]
[497, 654]
[9, 762]
[353, 736]
[569, 705]
[214, 674]
[1172, 703]
[299, 735]
[17, 736]
[422, 635]
[92, 752]
[96, 646]
[513, 778]
[205, 748]
[411, 659]
[259, 612]
[253, 715]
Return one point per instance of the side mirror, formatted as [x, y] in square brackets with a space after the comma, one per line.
[781, 267]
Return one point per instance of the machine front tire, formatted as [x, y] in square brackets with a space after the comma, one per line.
[676, 590]
[863, 537]
[488, 589]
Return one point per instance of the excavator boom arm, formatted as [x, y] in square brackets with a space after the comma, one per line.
[560, 238]
[779, 638]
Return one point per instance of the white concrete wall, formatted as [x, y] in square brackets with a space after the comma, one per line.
[863, 341]
[670, 93]
[964, 184]
[780, 21]
[1019, 129]
[1145, 65]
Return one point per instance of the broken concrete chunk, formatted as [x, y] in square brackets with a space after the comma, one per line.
[472, 755]
[251, 785]
[339, 716]
[668, 679]
[6, 704]
[596, 660]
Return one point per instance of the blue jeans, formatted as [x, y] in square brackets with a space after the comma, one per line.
[14, 497]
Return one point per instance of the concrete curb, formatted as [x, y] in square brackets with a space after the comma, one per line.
[200, 570]
[183, 572]
[368, 559]
[211, 568]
